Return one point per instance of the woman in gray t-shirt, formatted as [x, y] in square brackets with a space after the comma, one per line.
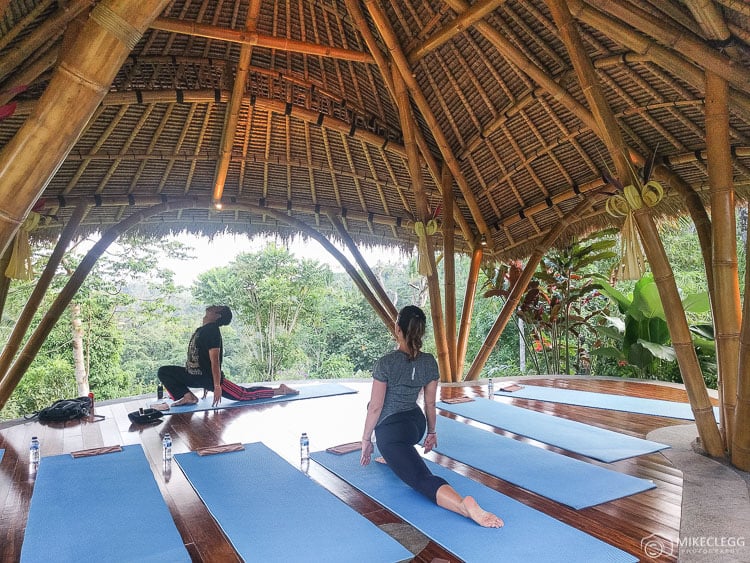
[399, 423]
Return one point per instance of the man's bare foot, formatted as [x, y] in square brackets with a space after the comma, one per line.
[187, 399]
[479, 515]
[286, 390]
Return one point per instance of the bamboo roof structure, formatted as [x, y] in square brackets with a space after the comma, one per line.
[291, 108]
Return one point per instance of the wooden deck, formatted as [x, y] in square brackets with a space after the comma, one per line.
[334, 420]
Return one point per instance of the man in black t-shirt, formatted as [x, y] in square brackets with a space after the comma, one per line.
[203, 367]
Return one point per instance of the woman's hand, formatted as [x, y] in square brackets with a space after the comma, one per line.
[430, 442]
[217, 395]
[367, 449]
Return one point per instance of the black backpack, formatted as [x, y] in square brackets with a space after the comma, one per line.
[65, 409]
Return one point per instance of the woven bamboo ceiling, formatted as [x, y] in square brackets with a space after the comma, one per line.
[291, 109]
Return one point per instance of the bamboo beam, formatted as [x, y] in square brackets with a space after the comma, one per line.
[385, 301]
[449, 271]
[661, 56]
[28, 74]
[53, 27]
[408, 125]
[459, 25]
[383, 65]
[399, 59]
[725, 300]
[232, 116]
[518, 289]
[253, 38]
[82, 78]
[40, 289]
[468, 308]
[663, 276]
[680, 42]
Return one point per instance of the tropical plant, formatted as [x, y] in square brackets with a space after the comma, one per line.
[642, 335]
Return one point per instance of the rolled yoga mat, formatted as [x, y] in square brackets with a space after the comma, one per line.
[101, 508]
[528, 535]
[271, 511]
[555, 476]
[584, 439]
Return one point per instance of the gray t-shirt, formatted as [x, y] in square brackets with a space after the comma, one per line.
[404, 378]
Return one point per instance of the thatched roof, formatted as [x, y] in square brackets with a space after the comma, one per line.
[311, 127]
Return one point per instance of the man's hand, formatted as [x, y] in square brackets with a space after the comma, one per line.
[217, 395]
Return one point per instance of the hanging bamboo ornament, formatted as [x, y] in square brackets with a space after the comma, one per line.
[20, 266]
[423, 231]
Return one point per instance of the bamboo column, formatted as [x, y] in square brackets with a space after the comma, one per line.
[81, 80]
[725, 301]
[449, 271]
[677, 323]
[468, 308]
[408, 125]
[40, 289]
[741, 438]
[518, 289]
[365, 267]
[28, 353]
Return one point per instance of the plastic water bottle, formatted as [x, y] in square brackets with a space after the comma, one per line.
[304, 447]
[34, 453]
[167, 447]
[490, 389]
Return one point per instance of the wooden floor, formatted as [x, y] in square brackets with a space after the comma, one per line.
[335, 420]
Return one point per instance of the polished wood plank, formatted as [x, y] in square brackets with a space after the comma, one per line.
[335, 420]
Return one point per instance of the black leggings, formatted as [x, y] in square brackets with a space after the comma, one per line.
[396, 437]
[178, 382]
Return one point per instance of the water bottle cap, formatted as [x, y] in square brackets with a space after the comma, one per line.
[33, 437]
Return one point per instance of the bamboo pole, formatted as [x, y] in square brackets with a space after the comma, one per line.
[518, 289]
[415, 170]
[355, 12]
[680, 42]
[449, 270]
[13, 375]
[663, 276]
[725, 301]
[468, 308]
[53, 27]
[40, 289]
[459, 25]
[28, 74]
[235, 105]
[364, 266]
[82, 78]
[253, 38]
[741, 439]
[399, 59]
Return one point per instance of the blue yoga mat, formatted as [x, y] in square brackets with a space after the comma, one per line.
[639, 405]
[271, 511]
[2, 452]
[528, 535]
[309, 391]
[563, 479]
[102, 508]
[593, 442]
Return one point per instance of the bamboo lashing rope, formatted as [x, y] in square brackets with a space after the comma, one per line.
[117, 26]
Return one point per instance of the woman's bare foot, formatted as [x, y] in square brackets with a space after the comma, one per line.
[286, 390]
[187, 399]
[381, 459]
[479, 515]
